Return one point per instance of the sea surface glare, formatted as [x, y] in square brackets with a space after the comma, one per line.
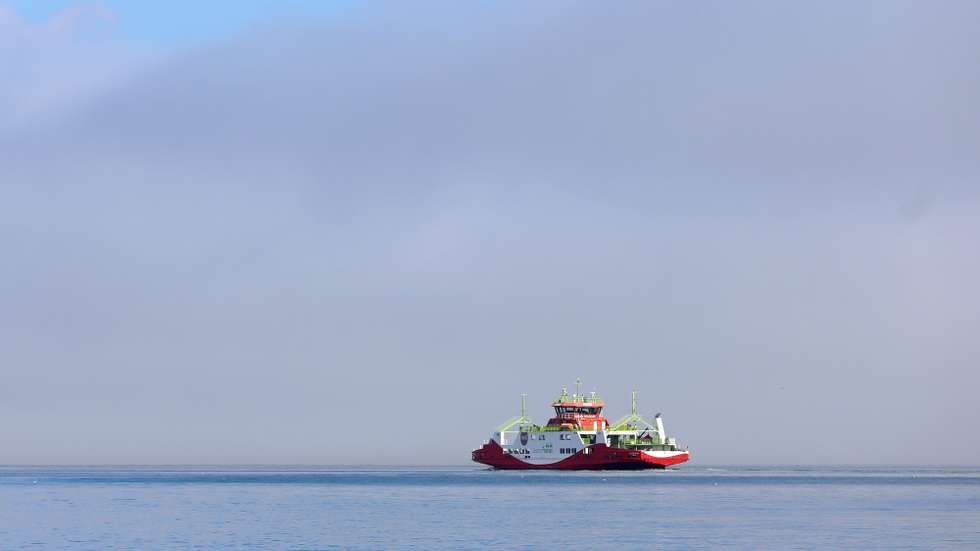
[428, 508]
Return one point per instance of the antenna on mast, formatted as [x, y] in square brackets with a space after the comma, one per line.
[523, 401]
[578, 389]
[633, 404]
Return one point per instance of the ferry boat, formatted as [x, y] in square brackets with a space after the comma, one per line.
[579, 437]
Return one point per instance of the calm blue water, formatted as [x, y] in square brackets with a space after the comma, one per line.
[468, 507]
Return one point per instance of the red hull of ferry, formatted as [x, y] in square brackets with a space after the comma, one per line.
[600, 457]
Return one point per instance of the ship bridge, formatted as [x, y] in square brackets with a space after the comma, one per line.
[578, 411]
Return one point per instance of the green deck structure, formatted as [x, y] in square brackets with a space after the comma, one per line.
[644, 435]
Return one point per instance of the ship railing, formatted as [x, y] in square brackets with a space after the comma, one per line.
[549, 428]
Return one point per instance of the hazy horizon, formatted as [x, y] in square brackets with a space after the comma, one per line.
[352, 233]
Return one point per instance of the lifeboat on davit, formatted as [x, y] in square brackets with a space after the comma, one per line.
[580, 437]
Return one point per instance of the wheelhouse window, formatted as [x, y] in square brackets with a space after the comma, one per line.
[581, 410]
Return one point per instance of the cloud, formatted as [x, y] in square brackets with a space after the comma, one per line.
[239, 249]
[53, 66]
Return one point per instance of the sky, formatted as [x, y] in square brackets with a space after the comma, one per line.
[346, 233]
[179, 23]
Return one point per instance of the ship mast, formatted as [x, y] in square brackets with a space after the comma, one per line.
[634, 422]
[523, 421]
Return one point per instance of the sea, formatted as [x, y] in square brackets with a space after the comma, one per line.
[470, 507]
